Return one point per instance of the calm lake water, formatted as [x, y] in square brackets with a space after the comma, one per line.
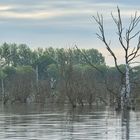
[53, 122]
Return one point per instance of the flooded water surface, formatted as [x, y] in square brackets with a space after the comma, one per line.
[52, 122]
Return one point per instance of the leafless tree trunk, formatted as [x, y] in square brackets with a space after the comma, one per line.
[3, 91]
[37, 79]
[125, 36]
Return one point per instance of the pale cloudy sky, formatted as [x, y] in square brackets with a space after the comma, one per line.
[61, 23]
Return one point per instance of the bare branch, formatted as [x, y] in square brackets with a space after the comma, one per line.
[101, 36]
[87, 60]
[129, 35]
[119, 25]
[134, 22]
[133, 36]
[134, 63]
[134, 53]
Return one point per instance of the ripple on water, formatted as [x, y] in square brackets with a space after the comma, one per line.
[56, 123]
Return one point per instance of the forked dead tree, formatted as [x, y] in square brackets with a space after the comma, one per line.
[125, 37]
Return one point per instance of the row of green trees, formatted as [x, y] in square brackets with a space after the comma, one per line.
[75, 76]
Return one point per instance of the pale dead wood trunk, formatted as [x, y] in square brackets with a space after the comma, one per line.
[37, 75]
[3, 90]
[127, 81]
[37, 79]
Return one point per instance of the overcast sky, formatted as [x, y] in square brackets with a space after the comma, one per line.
[61, 23]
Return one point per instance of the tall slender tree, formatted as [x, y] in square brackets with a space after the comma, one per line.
[125, 36]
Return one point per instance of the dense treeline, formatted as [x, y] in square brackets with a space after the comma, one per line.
[59, 75]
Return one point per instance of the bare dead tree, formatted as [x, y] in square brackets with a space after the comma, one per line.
[125, 36]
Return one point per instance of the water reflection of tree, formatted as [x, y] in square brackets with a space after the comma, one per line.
[72, 118]
[125, 122]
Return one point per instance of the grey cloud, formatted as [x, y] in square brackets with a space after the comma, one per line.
[69, 18]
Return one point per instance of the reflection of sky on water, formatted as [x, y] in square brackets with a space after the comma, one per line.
[61, 123]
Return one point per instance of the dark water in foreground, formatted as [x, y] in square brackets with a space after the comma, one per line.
[51, 122]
